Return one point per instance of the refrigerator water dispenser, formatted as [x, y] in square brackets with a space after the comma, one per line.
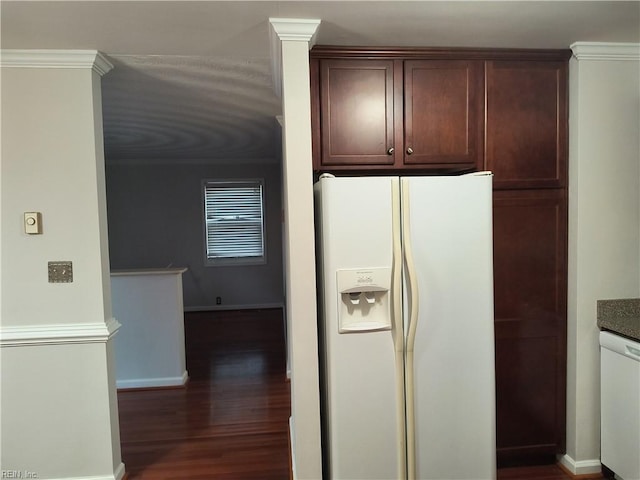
[365, 303]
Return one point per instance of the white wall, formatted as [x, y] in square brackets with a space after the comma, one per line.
[50, 165]
[156, 219]
[604, 222]
[150, 345]
[59, 410]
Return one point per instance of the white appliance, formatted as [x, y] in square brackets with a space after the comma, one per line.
[620, 405]
[406, 327]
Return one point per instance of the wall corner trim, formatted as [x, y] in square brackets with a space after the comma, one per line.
[606, 51]
[92, 59]
[58, 334]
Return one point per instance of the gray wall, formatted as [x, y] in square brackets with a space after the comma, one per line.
[155, 220]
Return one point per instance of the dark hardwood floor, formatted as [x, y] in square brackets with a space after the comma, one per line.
[541, 472]
[231, 420]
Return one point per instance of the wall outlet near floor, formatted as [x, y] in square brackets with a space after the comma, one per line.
[218, 300]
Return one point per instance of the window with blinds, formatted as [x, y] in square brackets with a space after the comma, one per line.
[234, 221]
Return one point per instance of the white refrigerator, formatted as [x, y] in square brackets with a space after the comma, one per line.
[405, 269]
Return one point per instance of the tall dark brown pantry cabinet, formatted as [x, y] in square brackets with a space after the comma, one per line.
[448, 111]
[526, 148]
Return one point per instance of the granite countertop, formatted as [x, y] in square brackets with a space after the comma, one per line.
[620, 316]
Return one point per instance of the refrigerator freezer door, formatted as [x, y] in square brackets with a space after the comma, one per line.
[452, 354]
[362, 372]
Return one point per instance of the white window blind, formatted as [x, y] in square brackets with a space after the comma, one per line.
[234, 220]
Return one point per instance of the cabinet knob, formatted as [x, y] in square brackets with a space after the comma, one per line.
[409, 151]
[390, 150]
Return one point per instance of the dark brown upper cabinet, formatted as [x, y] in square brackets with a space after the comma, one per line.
[357, 113]
[442, 113]
[526, 123]
[389, 114]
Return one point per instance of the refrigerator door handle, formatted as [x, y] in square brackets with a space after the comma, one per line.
[397, 328]
[412, 281]
[413, 303]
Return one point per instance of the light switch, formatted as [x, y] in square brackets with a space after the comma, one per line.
[33, 223]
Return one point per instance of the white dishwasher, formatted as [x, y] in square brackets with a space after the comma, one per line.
[620, 405]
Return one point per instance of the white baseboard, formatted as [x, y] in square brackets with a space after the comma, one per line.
[580, 467]
[120, 471]
[117, 475]
[153, 382]
[258, 306]
[292, 443]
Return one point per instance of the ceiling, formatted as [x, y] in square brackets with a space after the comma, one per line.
[192, 80]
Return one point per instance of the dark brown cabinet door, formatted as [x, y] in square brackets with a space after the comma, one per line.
[357, 112]
[530, 245]
[526, 123]
[443, 113]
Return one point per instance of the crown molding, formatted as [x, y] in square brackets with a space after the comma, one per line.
[217, 162]
[285, 30]
[606, 51]
[295, 29]
[58, 334]
[56, 59]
